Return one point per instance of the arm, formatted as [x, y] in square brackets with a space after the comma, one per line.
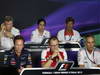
[29, 61]
[98, 58]
[60, 36]
[46, 34]
[65, 55]
[8, 34]
[6, 58]
[29, 66]
[78, 36]
[43, 58]
[60, 58]
[98, 65]
[81, 59]
[81, 66]
[46, 62]
[35, 37]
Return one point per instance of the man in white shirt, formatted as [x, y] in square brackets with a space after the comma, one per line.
[69, 34]
[40, 33]
[8, 33]
[89, 56]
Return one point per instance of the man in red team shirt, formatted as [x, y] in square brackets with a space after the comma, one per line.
[68, 33]
[53, 54]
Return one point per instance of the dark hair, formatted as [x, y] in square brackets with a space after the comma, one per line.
[89, 35]
[18, 37]
[68, 19]
[8, 18]
[41, 20]
[53, 38]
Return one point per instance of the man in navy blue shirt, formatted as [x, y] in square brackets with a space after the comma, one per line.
[18, 56]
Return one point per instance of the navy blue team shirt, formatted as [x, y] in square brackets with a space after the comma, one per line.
[10, 58]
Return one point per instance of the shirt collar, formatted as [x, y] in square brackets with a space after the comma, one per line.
[68, 33]
[38, 32]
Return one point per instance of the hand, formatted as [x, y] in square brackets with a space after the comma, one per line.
[19, 70]
[55, 54]
[8, 34]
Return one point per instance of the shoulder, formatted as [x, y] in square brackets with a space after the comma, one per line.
[46, 31]
[97, 50]
[8, 52]
[45, 53]
[46, 50]
[82, 50]
[34, 31]
[62, 50]
[61, 31]
[25, 51]
[15, 29]
[75, 31]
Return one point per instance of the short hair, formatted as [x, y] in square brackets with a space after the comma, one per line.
[68, 19]
[53, 38]
[8, 18]
[41, 20]
[18, 37]
[89, 35]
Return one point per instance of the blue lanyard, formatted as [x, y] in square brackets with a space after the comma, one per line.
[70, 37]
[93, 61]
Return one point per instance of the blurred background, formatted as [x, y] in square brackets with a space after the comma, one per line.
[26, 13]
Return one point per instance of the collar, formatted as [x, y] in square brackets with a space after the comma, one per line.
[38, 32]
[91, 52]
[68, 33]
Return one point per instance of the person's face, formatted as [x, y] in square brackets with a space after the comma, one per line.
[54, 45]
[8, 25]
[19, 45]
[41, 26]
[90, 43]
[69, 25]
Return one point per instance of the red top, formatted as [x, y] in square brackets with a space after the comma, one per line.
[68, 33]
[48, 54]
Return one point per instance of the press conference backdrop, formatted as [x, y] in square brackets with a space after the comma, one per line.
[97, 38]
[27, 12]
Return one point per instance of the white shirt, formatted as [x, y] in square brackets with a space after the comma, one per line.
[7, 42]
[36, 38]
[15, 31]
[76, 37]
[84, 58]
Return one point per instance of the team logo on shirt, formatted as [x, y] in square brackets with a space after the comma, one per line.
[13, 62]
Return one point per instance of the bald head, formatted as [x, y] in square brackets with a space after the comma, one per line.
[90, 42]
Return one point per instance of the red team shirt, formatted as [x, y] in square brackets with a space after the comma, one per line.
[47, 53]
[68, 33]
